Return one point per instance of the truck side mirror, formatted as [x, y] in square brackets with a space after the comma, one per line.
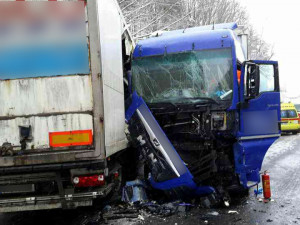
[252, 80]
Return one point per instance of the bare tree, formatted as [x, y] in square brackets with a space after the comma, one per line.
[147, 16]
[257, 47]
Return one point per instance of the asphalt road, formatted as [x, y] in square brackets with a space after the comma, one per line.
[283, 163]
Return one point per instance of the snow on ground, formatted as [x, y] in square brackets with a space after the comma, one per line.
[283, 145]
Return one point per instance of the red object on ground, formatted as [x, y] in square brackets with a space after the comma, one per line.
[266, 185]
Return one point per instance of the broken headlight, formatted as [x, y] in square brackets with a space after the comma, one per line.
[218, 121]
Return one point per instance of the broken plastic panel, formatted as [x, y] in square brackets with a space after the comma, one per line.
[167, 170]
[134, 191]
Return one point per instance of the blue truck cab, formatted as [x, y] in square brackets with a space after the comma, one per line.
[203, 115]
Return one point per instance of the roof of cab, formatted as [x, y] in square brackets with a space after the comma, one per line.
[196, 38]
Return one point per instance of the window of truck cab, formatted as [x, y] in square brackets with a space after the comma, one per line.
[179, 77]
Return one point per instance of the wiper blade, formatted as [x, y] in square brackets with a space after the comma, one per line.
[161, 105]
[204, 98]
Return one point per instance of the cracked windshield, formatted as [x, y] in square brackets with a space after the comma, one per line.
[177, 77]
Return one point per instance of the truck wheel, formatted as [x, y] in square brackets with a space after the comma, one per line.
[295, 132]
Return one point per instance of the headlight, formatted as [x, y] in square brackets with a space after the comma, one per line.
[218, 120]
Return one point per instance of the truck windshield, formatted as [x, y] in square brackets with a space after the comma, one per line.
[181, 77]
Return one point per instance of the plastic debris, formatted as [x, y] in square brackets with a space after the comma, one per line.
[118, 213]
[209, 201]
[258, 191]
[106, 209]
[226, 203]
[141, 217]
[213, 213]
[167, 209]
[233, 212]
[134, 191]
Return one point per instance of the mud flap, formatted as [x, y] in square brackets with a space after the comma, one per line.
[248, 156]
[167, 170]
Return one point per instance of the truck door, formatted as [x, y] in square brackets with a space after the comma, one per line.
[259, 111]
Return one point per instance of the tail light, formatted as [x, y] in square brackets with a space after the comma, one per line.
[89, 181]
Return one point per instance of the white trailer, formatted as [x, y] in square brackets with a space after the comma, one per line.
[61, 116]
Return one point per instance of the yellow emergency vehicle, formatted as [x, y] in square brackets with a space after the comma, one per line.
[289, 118]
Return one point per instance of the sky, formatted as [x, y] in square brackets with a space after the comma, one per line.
[278, 21]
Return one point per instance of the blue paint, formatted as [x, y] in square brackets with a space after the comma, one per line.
[44, 60]
[137, 101]
[265, 110]
[181, 42]
[266, 103]
[248, 157]
[185, 182]
[235, 98]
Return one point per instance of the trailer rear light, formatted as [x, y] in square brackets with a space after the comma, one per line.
[89, 181]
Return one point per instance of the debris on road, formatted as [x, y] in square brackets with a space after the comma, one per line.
[134, 191]
[120, 214]
[210, 201]
[141, 217]
[214, 213]
[167, 209]
[258, 191]
[226, 203]
[233, 212]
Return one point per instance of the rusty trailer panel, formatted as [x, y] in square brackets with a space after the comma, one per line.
[37, 96]
[93, 101]
[41, 127]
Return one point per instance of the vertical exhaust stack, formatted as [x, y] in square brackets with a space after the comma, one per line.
[242, 34]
